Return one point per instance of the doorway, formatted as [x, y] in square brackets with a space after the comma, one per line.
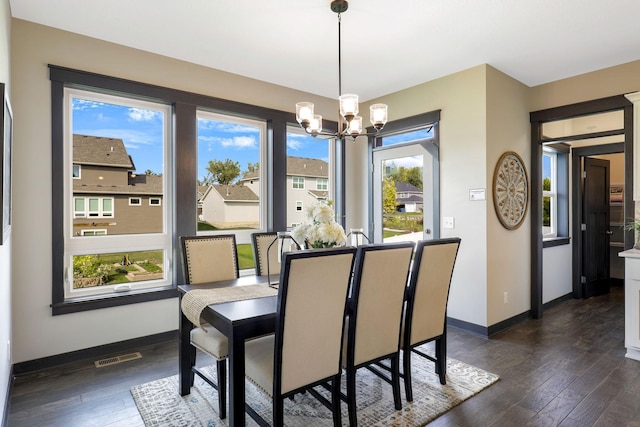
[573, 125]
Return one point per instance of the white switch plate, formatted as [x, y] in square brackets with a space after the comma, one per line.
[448, 222]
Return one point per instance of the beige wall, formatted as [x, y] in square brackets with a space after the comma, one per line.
[5, 253]
[508, 251]
[598, 84]
[462, 97]
[38, 334]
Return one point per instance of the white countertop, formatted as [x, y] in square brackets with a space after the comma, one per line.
[630, 253]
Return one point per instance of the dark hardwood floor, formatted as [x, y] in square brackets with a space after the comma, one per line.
[566, 369]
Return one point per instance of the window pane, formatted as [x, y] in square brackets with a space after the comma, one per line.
[584, 125]
[119, 148]
[309, 176]
[116, 268]
[230, 181]
[408, 136]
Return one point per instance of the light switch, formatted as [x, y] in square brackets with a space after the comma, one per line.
[448, 222]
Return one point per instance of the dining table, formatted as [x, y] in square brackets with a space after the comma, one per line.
[238, 320]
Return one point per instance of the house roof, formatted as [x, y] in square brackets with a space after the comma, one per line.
[140, 185]
[100, 151]
[238, 193]
[405, 187]
[298, 166]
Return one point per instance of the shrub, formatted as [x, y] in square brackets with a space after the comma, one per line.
[90, 266]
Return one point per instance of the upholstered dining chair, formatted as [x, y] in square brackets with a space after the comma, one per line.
[375, 315]
[261, 243]
[210, 259]
[426, 306]
[306, 349]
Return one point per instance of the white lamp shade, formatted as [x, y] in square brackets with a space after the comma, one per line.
[348, 104]
[304, 112]
[316, 124]
[378, 114]
[355, 126]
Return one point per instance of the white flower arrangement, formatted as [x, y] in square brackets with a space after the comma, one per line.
[320, 230]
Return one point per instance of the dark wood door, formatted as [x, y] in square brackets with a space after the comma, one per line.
[595, 230]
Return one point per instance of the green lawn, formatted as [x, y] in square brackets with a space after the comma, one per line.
[245, 256]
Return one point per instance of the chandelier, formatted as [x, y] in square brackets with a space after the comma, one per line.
[349, 122]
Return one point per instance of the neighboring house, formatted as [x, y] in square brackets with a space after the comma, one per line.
[307, 182]
[409, 198]
[108, 197]
[230, 206]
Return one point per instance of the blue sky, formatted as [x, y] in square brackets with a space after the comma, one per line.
[141, 131]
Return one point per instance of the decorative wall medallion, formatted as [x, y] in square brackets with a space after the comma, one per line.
[510, 190]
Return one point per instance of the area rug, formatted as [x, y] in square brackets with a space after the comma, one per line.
[160, 404]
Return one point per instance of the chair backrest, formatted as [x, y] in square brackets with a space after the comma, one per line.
[209, 258]
[380, 280]
[429, 288]
[260, 243]
[311, 306]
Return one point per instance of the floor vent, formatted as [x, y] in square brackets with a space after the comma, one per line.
[118, 359]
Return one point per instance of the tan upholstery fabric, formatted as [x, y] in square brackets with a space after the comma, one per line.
[259, 354]
[380, 304]
[210, 260]
[314, 319]
[312, 333]
[431, 291]
[210, 340]
[262, 244]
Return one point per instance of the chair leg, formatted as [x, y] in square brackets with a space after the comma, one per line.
[335, 401]
[441, 358]
[278, 411]
[192, 360]
[351, 397]
[221, 367]
[395, 380]
[406, 367]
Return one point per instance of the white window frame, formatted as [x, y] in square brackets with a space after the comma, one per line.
[115, 243]
[552, 194]
[299, 206]
[131, 201]
[79, 171]
[159, 199]
[297, 182]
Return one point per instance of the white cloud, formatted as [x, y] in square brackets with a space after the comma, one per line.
[139, 114]
[239, 142]
[294, 144]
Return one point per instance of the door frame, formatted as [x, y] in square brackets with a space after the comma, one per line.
[577, 181]
[537, 118]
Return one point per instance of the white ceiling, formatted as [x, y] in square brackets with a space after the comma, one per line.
[387, 45]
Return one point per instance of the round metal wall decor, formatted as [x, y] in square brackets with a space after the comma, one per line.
[510, 190]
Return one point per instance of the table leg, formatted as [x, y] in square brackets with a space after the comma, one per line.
[184, 355]
[236, 380]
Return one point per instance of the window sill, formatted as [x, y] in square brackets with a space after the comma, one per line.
[77, 305]
[555, 241]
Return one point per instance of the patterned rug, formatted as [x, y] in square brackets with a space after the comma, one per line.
[160, 404]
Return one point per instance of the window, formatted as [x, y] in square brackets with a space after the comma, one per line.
[311, 160]
[322, 184]
[549, 194]
[106, 136]
[298, 182]
[123, 240]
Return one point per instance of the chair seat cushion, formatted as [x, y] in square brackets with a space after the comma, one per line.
[210, 340]
[259, 362]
